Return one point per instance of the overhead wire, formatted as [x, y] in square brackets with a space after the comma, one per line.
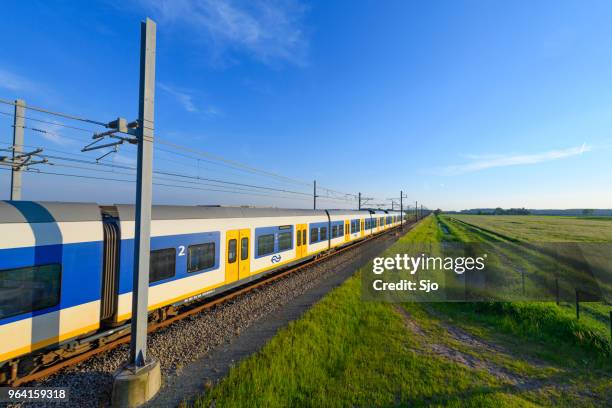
[206, 157]
[60, 114]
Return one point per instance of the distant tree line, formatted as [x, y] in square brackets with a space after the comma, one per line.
[600, 212]
[501, 211]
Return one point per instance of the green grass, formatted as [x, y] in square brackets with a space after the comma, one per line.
[347, 352]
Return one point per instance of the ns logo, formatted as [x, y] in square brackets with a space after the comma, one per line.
[276, 259]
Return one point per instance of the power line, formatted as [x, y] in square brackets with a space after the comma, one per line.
[154, 183]
[232, 162]
[208, 157]
[48, 122]
[176, 175]
[167, 173]
[63, 115]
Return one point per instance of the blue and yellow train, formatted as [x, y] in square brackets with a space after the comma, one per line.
[66, 268]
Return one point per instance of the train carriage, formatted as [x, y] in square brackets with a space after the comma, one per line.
[50, 274]
[346, 226]
[198, 251]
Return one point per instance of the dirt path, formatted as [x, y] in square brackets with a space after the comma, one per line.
[477, 346]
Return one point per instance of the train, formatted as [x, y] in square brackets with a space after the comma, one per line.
[66, 269]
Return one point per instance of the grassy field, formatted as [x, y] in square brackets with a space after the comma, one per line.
[347, 352]
[594, 322]
[543, 228]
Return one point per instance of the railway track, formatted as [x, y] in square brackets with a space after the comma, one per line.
[52, 362]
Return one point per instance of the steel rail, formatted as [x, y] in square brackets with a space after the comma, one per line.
[247, 287]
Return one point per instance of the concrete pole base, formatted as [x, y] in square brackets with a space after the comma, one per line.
[133, 387]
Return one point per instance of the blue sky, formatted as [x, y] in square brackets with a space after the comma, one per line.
[460, 104]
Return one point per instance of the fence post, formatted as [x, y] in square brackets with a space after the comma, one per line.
[577, 306]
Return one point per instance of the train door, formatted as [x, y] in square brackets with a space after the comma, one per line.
[304, 243]
[231, 260]
[362, 229]
[347, 231]
[300, 241]
[244, 263]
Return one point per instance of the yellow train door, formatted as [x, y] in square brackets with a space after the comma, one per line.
[231, 259]
[300, 241]
[244, 263]
[347, 231]
[362, 229]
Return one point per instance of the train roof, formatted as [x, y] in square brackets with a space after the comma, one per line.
[39, 211]
[178, 212]
[347, 212]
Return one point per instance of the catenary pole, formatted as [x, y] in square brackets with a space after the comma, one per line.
[18, 125]
[401, 209]
[144, 181]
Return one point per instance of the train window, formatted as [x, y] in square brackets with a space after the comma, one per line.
[232, 245]
[25, 290]
[265, 244]
[244, 248]
[284, 241]
[304, 236]
[334, 231]
[201, 256]
[323, 236]
[340, 230]
[162, 264]
[299, 238]
[314, 235]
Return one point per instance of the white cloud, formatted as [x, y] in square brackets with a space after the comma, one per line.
[269, 30]
[185, 99]
[491, 161]
[14, 82]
